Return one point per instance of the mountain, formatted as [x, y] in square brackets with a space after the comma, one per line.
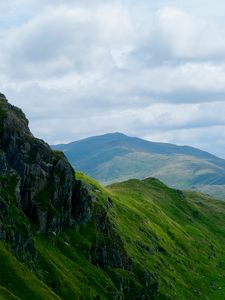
[64, 236]
[57, 240]
[116, 157]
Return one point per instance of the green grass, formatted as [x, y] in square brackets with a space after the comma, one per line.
[16, 280]
[179, 236]
[65, 267]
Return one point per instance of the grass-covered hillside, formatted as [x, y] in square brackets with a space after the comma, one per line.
[178, 235]
[116, 157]
[86, 261]
[173, 240]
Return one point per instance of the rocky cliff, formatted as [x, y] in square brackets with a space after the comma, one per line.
[46, 186]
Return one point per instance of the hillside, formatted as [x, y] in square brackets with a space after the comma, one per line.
[64, 236]
[177, 234]
[116, 157]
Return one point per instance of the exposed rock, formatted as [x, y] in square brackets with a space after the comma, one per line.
[49, 193]
[109, 251]
[82, 203]
[14, 228]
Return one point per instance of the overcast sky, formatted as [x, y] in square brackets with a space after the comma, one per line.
[82, 68]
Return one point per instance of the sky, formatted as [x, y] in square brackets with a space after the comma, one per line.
[151, 69]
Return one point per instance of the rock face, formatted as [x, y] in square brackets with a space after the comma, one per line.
[46, 187]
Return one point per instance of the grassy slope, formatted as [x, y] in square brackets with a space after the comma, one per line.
[64, 271]
[180, 236]
[65, 266]
[17, 282]
[176, 170]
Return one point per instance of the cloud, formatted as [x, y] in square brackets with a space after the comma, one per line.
[100, 66]
[67, 40]
[190, 37]
[210, 138]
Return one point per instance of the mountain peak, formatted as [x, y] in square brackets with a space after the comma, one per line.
[117, 133]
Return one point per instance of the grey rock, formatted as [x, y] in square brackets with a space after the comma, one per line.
[47, 189]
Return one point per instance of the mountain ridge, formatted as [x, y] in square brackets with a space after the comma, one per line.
[115, 135]
[127, 157]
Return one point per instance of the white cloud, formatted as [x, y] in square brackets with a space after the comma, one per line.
[67, 40]
[97, 66]
[209, 138]
[188, 36]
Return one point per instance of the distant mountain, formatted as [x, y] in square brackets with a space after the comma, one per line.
[116, 157]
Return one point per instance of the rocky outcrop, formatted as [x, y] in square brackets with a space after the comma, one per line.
[47, 192]
[14, 227]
